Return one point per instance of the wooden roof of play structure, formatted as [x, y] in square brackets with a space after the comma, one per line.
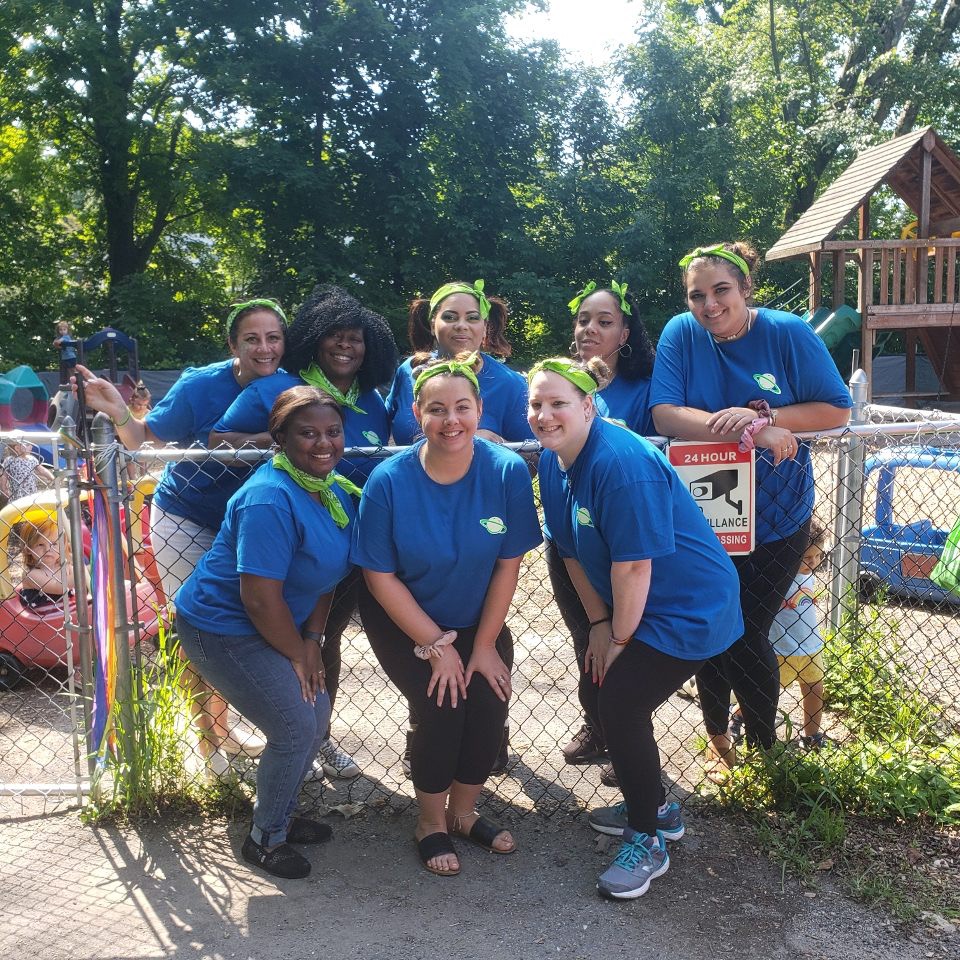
[909, 285]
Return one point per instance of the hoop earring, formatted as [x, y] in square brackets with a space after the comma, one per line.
[629, 352]
[572, 349]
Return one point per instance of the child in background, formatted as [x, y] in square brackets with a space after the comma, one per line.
[21, 470]
[41, 585]
[139, 405]
[795, 637]
[68, 351]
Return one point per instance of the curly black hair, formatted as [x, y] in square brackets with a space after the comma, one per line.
[637, 362]
[328, 309]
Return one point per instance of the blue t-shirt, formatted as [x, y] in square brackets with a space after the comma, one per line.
[795, 631]
[250, 413]
[629, 401]
[502, 390]
[622, 501]
[781, 360]
[443, 540]
[273, 529]
[197, 490]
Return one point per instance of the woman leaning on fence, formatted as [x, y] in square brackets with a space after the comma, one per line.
[728, 371]
[657, 587]
[189, 503]
[442, 530]
[252, 614]
[606, 324]
[339, 346]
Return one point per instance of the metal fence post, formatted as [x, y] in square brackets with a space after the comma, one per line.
[106, 448]
[848, 510]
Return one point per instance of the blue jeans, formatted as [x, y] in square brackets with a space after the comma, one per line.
[260, 683]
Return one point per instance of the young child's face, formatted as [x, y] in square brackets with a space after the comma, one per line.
[45, 553]
[812, 558]
[21, 449]
[63, 328]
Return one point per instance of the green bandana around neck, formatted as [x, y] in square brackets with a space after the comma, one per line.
[456, 367]
[566, 369]
[321, 485]
[317, 378]
[619, 291]
[718, 250]
[475, 291]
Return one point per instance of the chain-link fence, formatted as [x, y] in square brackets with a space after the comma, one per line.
[887, 494]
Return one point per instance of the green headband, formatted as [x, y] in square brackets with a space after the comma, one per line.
[620, 289]
[717, 251]
[236, 308]
[455, 367]
[475, 291]
[569, 371]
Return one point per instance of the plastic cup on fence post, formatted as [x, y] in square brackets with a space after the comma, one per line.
[849, 507]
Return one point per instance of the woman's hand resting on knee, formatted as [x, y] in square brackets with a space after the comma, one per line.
[448, 676]
[489, 664]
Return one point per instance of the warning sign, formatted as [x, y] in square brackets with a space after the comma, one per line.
[720, 480]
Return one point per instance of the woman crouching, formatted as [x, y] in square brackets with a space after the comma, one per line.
[441, 532]
[251, 616]
[659, 592]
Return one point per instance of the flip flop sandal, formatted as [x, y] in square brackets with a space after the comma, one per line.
[435, 845]
[483, 833]
[716, 769]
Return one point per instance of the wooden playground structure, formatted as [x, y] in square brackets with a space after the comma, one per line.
[911, 285]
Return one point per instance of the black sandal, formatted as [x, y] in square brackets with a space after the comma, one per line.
[302, 830]
[483, 833]
[436, 845]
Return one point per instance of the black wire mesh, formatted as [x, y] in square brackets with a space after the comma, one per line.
[887, 499]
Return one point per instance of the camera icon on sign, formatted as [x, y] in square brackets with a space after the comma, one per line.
[714, 485]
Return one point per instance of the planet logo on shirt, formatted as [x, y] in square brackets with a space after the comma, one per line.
[493, 525]
[371, 437]
[583, 517]
[768, 382]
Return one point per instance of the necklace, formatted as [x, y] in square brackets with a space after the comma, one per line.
[744, 329]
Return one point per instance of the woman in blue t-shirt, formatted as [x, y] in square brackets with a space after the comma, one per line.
[607, 325]
[441, 532]
[659, 592]
[346, 350]
[460, 317]
[189, 502]
[727, 371]
[251, 616]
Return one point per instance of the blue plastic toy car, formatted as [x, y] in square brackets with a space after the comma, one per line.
[898, 555]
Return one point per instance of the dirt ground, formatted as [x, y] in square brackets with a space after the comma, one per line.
[177, 890]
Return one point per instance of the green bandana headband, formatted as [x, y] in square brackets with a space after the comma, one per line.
[717, 251]
[475, 291]
[236, 308]
[323, 486]
[317, 378]
[567, 370]
[620, 289]
[464, 369]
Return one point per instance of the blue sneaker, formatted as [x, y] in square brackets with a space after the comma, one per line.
[640, 860]
[613, 820]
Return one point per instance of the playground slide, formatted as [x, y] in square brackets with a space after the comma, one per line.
[837, 325]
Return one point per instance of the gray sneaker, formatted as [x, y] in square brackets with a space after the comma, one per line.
[613, 820]
[640, 860]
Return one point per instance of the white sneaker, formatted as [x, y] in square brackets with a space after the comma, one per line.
[335, 762]
[239, 740]
[216, 766]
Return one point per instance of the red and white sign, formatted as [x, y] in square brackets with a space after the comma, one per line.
[720, 479]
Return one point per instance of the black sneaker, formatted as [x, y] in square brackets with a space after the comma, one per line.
[282, 861]
[585, 747]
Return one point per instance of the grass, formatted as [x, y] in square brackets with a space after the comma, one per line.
[881, 807]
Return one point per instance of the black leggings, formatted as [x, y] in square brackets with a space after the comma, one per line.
[449, 743]
[749, 667]
[577, 623]
[639, 680]
[341, 610]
